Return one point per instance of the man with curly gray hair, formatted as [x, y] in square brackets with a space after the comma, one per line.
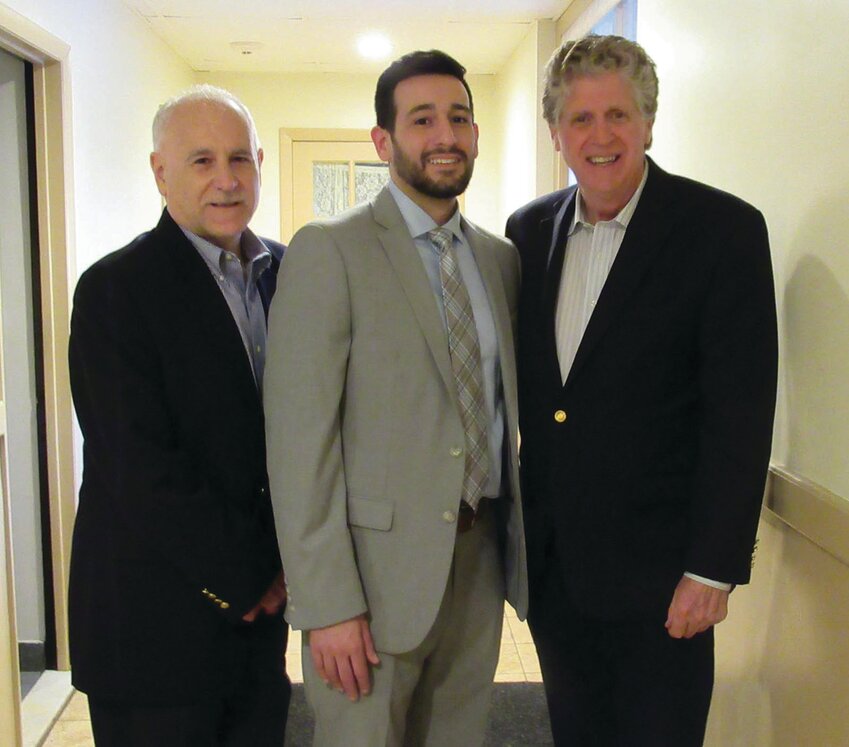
[647, 375]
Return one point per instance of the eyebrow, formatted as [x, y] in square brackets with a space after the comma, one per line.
[210, 152]
[432, 107]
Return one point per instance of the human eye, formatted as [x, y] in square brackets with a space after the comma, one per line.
[579, 119]
[201, 161]
[421, 121]
[617, 115]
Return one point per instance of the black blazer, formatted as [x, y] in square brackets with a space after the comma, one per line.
[174, 538]
[660, 464]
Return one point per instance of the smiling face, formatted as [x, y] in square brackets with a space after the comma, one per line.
[602, 136]
[432, 150]
[207, 170]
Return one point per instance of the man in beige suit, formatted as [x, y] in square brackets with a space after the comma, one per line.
[391, 417]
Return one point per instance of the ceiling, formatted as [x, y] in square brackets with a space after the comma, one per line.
[320, 35]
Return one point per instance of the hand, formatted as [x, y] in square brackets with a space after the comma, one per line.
[271, 601]
[695, 607]
[341, 655]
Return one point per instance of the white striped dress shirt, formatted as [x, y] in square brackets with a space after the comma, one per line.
[590, 251]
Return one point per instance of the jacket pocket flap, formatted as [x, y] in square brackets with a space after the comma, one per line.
[369, 514]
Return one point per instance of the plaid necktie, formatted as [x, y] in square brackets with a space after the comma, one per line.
[465, 354]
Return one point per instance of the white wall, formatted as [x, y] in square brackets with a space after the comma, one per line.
[120, 73]
[334, 100]
[752, 99]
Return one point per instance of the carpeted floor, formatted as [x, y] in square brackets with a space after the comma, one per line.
[517, 717]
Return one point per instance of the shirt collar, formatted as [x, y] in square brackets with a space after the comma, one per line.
[253, 248]
[622, 218]
[417, 220]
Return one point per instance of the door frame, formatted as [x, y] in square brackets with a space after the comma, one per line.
[288, 138]
[54, 206]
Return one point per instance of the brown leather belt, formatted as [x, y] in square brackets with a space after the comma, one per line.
[467, 516]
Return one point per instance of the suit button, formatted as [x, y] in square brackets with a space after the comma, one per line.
[456, 451]
[449, 517]
[560, 416]
[262, 491]
[224, 605]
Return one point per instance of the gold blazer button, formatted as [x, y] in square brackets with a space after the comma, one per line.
[560, 416]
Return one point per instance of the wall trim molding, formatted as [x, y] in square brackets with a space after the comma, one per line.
[49, 56]
[810, 509]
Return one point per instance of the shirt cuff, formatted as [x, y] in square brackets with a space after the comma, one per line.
[709, 582]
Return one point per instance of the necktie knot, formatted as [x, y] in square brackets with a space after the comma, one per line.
[441, 238]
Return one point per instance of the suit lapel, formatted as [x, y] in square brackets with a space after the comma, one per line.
[203, 302]
[560, 220]
[267, 283]
[496, 293]
[646, 234]
[404, 257]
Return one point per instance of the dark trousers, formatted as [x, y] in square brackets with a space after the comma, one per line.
[252, 714]
[622, 684]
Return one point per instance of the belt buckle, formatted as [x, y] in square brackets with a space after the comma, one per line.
[466, 517]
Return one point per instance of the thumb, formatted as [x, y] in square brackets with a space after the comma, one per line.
[371, 654]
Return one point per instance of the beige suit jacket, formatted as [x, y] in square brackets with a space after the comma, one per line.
[363, 424]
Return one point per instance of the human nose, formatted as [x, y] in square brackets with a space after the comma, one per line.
[445, 135]
[225, 178]
[602, 131]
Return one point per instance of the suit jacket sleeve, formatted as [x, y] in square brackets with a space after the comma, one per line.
[309, 340]
[137, 466]
[737, 373]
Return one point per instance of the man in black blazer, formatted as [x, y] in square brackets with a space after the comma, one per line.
[647, 375]
[176, 588]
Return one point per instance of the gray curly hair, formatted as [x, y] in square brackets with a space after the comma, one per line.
[595, 55]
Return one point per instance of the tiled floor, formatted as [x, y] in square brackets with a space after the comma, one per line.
[517, 663]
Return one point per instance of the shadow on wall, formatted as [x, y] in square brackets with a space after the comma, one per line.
[815, 351]
[783, 654]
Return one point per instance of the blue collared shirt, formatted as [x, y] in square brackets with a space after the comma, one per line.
[238, 284]
[419, 223]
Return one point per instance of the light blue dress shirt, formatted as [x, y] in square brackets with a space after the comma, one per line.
[238, 284]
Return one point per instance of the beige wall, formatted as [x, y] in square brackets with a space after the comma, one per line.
[333, 100]
[783, 656]
[524, 145]
[752, 100]
[119, 73]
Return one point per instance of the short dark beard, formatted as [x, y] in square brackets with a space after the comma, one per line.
[414, 174]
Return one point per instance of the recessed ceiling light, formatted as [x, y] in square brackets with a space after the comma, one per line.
[374, 46]
[246, 47]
